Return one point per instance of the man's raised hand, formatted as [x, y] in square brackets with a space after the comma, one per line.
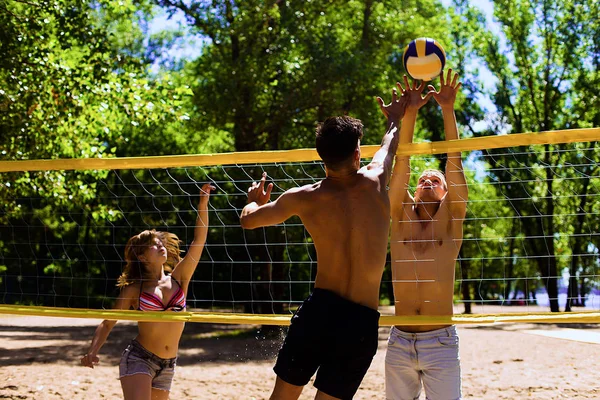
[414, 95]
[396, 109]
[449, 87]
[257, 193]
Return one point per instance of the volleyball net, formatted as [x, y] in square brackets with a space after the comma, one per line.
[531, 234]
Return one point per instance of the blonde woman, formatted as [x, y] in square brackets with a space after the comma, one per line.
[155, 278]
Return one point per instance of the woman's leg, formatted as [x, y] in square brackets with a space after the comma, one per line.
[137, 387]
[158, 394]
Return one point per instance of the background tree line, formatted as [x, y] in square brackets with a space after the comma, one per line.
[92, 79]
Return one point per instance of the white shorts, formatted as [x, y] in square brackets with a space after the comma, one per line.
[427, 357]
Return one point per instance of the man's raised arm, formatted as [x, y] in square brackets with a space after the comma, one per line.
[398, 192]
[258, 212]
[458, 192]
[384, 157]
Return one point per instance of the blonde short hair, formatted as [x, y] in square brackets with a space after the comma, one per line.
[435, 172]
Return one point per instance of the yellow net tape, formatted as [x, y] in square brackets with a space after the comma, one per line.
[591, 317]
[253, 157]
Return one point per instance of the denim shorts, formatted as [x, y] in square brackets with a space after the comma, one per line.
[426, 359]
[137, 360]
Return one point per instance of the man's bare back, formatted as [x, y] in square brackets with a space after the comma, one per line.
[348, 219]
[347, 215]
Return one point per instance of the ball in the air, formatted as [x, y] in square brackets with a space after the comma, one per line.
[424, 59]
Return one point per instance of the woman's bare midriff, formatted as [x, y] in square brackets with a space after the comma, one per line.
[161, 338]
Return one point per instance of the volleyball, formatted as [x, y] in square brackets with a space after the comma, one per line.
[424, 59]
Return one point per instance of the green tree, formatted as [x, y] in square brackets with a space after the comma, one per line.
[73, 87]
[270, 70]
[543, 63]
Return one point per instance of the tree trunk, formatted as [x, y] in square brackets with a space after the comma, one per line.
[572, 289]
[543, 248]
[582, 291]
[577, 247]
[465, 266]
[552, 282]
[511, 263]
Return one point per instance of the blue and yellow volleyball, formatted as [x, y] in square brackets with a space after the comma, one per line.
[424, 59]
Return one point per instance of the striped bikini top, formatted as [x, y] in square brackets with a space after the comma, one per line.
[151, 302]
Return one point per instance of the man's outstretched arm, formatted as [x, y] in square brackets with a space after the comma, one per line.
[398, 192]
[258, 212]
[384, 157]
[458, 192]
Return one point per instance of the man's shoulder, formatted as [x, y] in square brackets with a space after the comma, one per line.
[302, 193]
[455, 210]
[404, 205]
[305, 189]
[372, 171]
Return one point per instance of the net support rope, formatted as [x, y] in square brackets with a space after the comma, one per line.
[590, 317]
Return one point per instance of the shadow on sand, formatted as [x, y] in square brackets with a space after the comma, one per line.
[200, 343]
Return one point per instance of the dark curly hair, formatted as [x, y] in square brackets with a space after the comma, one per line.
[337, 138]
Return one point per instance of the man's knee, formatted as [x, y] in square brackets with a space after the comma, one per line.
[324, 396]
[285, 391]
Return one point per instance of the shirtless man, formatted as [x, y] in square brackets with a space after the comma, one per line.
[347, 214]
[426, 235]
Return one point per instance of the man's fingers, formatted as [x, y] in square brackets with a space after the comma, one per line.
[406, 82]
[449, 77]
[261, 185]
[269, 189]
[382, 106]
[428, 95]
[454, 80]
[458, 86]
[394, 95]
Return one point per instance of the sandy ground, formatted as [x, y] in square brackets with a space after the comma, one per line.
[39, 360]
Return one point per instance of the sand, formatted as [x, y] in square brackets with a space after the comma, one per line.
[39, 359]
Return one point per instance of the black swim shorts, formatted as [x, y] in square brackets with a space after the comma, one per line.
[335, 336]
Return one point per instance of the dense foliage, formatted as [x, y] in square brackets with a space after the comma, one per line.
[81, 79]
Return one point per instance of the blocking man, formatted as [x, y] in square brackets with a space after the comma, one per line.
[426, 235]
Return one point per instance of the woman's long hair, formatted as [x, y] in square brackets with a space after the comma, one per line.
[135, 270]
